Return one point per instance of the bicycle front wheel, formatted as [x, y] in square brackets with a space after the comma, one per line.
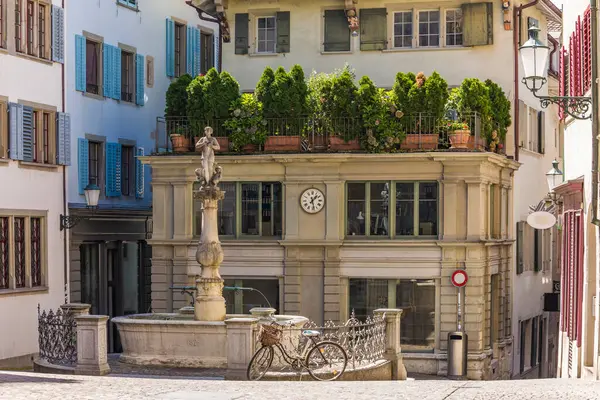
[260, 363]
[326, 361]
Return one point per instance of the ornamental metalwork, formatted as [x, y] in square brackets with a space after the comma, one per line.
[363, 341]
[36, 252]
[578, 107]
[19, 239]
[57, 337]
[4, 249]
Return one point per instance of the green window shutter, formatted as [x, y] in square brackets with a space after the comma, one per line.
[520, 237]
[241, 33]
[373, 29]
[478, 24]
[337, 32]
[538, 256]
[283, 31]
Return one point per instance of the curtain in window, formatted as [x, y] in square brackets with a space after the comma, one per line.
[91, 63]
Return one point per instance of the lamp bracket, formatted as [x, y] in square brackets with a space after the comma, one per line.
[578, 107]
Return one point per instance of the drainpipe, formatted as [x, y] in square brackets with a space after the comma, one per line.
[595, 112]
[64, 179]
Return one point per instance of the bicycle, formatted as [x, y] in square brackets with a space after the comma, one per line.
[324, 360]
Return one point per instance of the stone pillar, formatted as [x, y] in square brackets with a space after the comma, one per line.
[476, 210]
[183, 204]
[76, 309]
[91, 345]
[392, 340]
[451, 214]
[240, 346]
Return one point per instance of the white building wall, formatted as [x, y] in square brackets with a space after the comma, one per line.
[30, 188]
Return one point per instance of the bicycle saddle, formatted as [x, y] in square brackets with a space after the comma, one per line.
[310, 333]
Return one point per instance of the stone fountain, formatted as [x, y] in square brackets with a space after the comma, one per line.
[210, 336]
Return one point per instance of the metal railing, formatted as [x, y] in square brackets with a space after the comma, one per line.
[422, 132]
[57, 337]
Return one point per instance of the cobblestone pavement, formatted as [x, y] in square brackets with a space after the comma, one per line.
[22, 385]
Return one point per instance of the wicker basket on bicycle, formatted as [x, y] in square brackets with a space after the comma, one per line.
[270, 335]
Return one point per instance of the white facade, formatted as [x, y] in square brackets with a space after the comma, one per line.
[32, 190]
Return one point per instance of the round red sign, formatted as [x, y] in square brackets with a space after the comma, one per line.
[459, 278]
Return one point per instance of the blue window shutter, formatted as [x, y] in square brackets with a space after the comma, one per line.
[113, 169]
[217, 51]
[28, 134]
[83, 164]
[189, 51]
[63, 139]
[58, 34]
[107, 70]
[116, 73]
[170, 46]
[139, 174]
[197, 53]
[15, 115]
[139, 79]
[80, 63]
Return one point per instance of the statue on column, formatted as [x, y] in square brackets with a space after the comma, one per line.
[207, 146]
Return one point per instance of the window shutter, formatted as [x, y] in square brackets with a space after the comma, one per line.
[217, 48]
[577, 45]
[58, 34]
[571, 65]
[197, 52]
[520, 236]
[83, 164]
[478, 24]
[15, 115]
[107, 72]
[113, 169]
[63, 142]
[80, 63]
[139, 79]
[189, 51]
[586, 41]
[116, 73]
[337, 33]
[241, 33]
[170, 47]
[541, 132]
[537, 250]
[283, 31]
[373, 29]
[28, 134]
[562, 80]
[139, 174]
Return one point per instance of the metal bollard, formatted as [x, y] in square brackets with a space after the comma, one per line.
[457, 355]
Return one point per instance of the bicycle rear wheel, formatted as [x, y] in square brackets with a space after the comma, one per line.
[326, 361]
[260, 363]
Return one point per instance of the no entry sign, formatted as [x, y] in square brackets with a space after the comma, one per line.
[459, 278]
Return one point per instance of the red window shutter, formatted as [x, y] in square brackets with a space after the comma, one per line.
[579, 296]
[572, 65]
[562, 80]
[563, 273]
[577, 46]
[586, 42]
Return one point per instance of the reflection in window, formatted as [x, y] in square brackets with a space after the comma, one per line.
[405, 209]
[428, 208]
[356, 209]
[242, 301]
[380, 200]
[250, 208]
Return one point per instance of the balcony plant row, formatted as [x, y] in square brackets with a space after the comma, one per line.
[334, 111]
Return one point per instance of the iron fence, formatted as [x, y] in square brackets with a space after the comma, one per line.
[57, 337]
[316, 133]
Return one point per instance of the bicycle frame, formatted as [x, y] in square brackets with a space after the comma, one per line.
[290, 359]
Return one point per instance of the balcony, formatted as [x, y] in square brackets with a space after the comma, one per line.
[319, 134]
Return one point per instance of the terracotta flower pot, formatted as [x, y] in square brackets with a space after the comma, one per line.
[459, 139]
[249, 148]
[338, 143]
[283, 143]
[181, 144]
[423, 141]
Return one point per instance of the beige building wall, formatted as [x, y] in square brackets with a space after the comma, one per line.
[315, 260]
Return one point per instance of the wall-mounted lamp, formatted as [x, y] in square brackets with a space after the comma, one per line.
[92, 194]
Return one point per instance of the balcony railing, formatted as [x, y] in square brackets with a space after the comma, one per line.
[421, 132]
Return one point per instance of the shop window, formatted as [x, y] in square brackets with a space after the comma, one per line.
[241, 295]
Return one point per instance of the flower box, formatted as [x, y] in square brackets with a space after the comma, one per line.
[338, 143]
[249, 148]
[283, 143]
[420, 141]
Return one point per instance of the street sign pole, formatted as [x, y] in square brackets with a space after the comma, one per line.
[459, 279]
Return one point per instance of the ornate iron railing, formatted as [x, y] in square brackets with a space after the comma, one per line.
[57, 337]
[364, 342]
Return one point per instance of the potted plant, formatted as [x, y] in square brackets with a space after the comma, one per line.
[340, 105]
[180, 140]
[246, 125]
[459, 134]
[176, 113]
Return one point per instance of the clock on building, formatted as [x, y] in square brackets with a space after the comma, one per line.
[312, 200]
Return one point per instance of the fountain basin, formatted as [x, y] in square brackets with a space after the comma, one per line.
[178, 341]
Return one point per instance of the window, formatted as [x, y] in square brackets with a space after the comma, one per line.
[429, 28]
[454, 36]
[127, 170]
[150, 71]
[242, 301]
[532, 125]
[266, 35]
[207, 47]
[36, 251]
[4, 253]
[248, 209]
[180, 47]
[36, 144]
[95, 155]
[416, 297]
[495, 310]
[127, 76]
[46, 138]
[42, 31]
[336, 32]
[43, 141]
[129, 3]
[403, 29]
[3, 130]
[2, 22]
[18, 27]
[30, 27]
[415, 205]
[19, 251]
[93, 63]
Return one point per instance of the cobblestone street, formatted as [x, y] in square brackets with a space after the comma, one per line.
[18, 385]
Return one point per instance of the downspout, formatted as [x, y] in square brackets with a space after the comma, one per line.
[516, 29]
[595, 116]
[64, 179]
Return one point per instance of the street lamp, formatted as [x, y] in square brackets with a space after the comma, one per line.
[534, 55]
[92, 194]
[554, 176]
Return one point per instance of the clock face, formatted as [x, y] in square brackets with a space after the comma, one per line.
[312, 200]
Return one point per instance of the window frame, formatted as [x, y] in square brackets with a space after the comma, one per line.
[207, 53]
[127, 171]
[31, 38]
[4, 127]
[99, 64]
[392, 213]
[412, 28]
[440, 22]
[324, 32]
[179, 48]
[127, 4]
[454, 34]
[44, 144]
[128, 76]
[29, 284]
[98, 161]
[257, 40]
